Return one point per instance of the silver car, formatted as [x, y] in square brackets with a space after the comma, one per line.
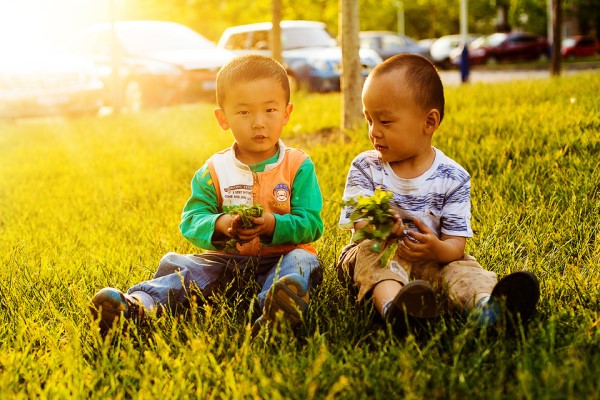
[310, 53]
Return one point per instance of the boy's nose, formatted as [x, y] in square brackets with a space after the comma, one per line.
[258, 122]
[374, 132]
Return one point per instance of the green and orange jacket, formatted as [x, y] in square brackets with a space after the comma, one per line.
[285, 185]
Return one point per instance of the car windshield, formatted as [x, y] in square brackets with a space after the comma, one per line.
[144, 39]
[297, 38]
[495, 39]
[479, 42]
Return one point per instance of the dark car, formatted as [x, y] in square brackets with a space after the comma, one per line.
[501, 47]
[579, 46]
[159, 63]
[388, 44]
[37, 80]
[310, 54]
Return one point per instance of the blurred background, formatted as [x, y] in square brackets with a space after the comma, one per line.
[80, 57]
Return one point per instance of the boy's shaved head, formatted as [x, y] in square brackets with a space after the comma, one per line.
[422, 76]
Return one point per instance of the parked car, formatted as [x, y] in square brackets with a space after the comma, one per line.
[426, 43]
[310, 53]
[500, 47]
[37, 81]
[441, 48]
[579, 46]
[388, 44]
[159, 63]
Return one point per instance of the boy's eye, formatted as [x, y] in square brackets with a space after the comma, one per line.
[243, 112]
[270, 110]
[385, 122]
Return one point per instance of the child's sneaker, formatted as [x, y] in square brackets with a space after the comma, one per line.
[416, 299]
[516, 293]
[520, 292]
[110, 303]
[290, 295]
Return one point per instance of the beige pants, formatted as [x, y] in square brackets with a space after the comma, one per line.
[460, 281]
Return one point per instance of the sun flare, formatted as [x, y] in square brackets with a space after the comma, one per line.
[23, 22]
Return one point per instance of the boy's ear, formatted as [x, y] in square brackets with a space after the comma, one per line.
[288, 112]
[221, 118]
[432, 121]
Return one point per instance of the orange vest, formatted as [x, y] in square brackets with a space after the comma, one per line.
[237, 185]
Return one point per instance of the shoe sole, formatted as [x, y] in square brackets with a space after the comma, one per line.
[520, 291]
[417, 299]
[108, 307]
[288, 297]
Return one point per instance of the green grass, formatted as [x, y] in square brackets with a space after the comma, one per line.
[96, 202]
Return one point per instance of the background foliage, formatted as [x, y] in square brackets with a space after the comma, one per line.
[423, 18]
[96, 202]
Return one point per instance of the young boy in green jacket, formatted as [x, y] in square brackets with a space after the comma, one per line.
[272, 249]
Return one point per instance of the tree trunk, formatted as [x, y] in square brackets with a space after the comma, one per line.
[556, 37]
[276, 30]
[351, 79]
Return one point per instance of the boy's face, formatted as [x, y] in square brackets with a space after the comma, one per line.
[256, 112]
[399, 128]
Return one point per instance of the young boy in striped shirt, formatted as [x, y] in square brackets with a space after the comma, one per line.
[403, 103]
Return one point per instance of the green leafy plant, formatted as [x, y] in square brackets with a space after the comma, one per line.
[375, 210]
[246, 214]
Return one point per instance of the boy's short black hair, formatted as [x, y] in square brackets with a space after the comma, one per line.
[421, 74]
[248, 68]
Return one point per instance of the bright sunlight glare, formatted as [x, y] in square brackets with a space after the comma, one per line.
[23, 22]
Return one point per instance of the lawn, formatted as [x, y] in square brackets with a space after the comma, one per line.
[96, 202]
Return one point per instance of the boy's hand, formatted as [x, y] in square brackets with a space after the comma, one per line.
[262, 226]
[419, 246]
[425, 245]
[398, 228]
[234, 226]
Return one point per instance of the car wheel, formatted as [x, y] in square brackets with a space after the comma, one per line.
[445, 63]
[133, 97]
[492, 60]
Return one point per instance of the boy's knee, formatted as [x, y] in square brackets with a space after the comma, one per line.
[168, 264]
[168, 258]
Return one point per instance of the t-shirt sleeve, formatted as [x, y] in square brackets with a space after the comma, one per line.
[456, 214]
[359, 182]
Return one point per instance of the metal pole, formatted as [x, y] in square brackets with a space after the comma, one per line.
[400, 17]
[115, 81]
[464, 57]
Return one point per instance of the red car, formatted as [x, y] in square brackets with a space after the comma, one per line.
[579, 46]
[498, 47]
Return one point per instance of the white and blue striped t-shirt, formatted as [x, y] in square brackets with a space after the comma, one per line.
[440, 197]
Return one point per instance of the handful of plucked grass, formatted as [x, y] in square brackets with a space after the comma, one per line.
[376, 210]
[246, 214]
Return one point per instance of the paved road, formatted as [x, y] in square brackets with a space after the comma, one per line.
[452, 77]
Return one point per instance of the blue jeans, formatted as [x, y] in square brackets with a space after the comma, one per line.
[181, 275]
